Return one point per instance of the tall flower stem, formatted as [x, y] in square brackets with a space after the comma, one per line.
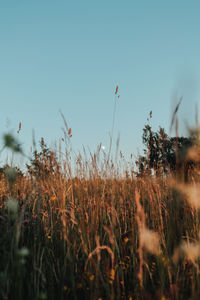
[113, 122]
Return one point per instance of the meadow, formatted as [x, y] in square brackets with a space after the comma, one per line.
[105, 232]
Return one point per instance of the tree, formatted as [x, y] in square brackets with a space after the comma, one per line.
[163, 154]
[43, 163]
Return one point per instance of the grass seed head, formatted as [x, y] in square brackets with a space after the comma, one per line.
[150, 241]
[188, 251]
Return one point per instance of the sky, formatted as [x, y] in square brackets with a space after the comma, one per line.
[69, 56]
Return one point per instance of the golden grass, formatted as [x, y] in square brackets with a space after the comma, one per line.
[98, 235]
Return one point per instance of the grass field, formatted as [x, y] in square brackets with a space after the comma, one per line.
[101, 234]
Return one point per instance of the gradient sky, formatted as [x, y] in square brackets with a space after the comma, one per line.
[70, 55]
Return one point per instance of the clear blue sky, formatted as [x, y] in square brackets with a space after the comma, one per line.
[70, 55]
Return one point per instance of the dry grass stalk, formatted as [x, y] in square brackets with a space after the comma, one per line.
[148, 239]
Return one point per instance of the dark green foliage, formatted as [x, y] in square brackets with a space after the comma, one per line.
[162, 153]
[43, 163]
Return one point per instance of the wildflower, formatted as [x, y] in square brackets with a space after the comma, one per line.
[65, 288]
[53, 198]
[26, 222]
[126, 240]
[116, 90]
[91, 277]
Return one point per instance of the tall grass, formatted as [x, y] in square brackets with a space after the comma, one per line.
[101, 234]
